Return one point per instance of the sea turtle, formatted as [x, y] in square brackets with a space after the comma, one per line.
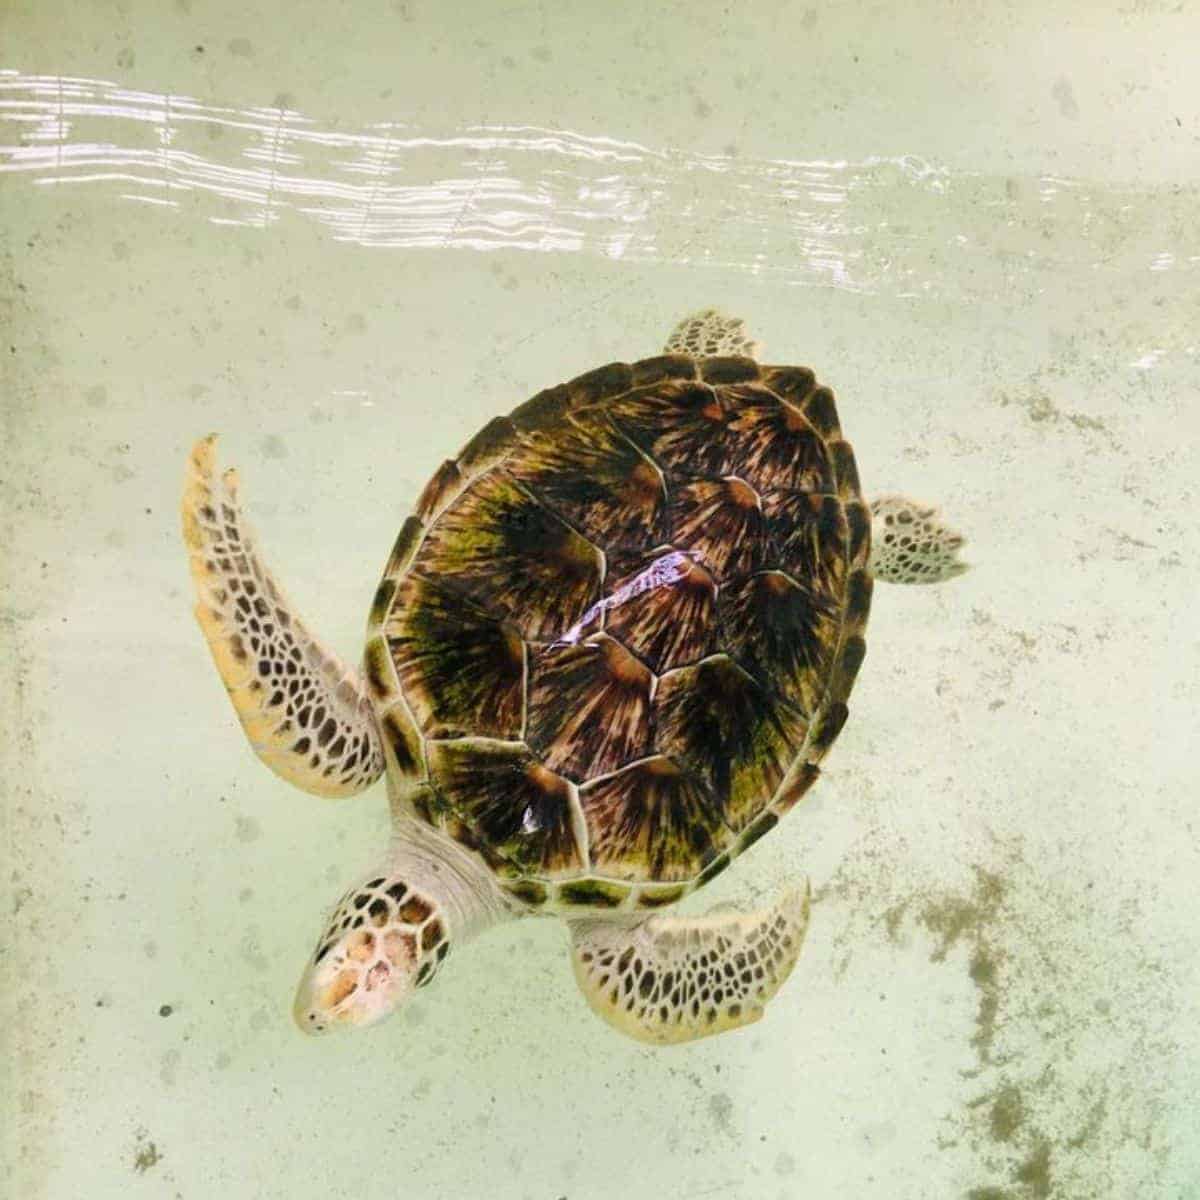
[610, 648]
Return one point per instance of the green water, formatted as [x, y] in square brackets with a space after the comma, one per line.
[346, 236]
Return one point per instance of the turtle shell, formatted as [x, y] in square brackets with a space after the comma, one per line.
[619, 632]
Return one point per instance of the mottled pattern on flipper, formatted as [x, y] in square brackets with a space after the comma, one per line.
[595, 477]
[675, 979]
[588, 707]
[462, 669]
[711, 334]
[512, 556]
[717, 721]
[652, 821]
[307, 716]
[910, 543]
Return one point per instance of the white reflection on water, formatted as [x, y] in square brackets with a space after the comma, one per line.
[898, 225]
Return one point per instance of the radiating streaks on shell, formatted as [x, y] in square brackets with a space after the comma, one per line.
[667, 626]
[463, 670]
[653, 820]
[722, 521]
[773, 445]
[666, 569]
[716, 721]
[520, 811]
[597, 478]
[513, 557]
[780, 631]
[888, 224]
[589, 707]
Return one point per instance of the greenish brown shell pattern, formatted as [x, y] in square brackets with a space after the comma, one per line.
[620, 756]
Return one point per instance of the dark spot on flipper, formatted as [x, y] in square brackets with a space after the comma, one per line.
[414, 911]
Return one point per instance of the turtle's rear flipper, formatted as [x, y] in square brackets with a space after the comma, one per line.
[675, 979]
[711, 334]
[910, 543]
[307, 717]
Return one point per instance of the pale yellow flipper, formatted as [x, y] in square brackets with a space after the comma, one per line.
[307, 717]
[910, 543]
[710, 333]
[675, 979]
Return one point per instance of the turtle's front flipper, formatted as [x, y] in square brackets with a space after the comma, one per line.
[307, 717]
[711, 334]
[674, 979]
[910, 543]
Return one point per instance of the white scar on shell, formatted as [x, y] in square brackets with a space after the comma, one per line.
[662, 572]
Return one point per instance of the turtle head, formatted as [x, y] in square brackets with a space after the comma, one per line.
[384, 940]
